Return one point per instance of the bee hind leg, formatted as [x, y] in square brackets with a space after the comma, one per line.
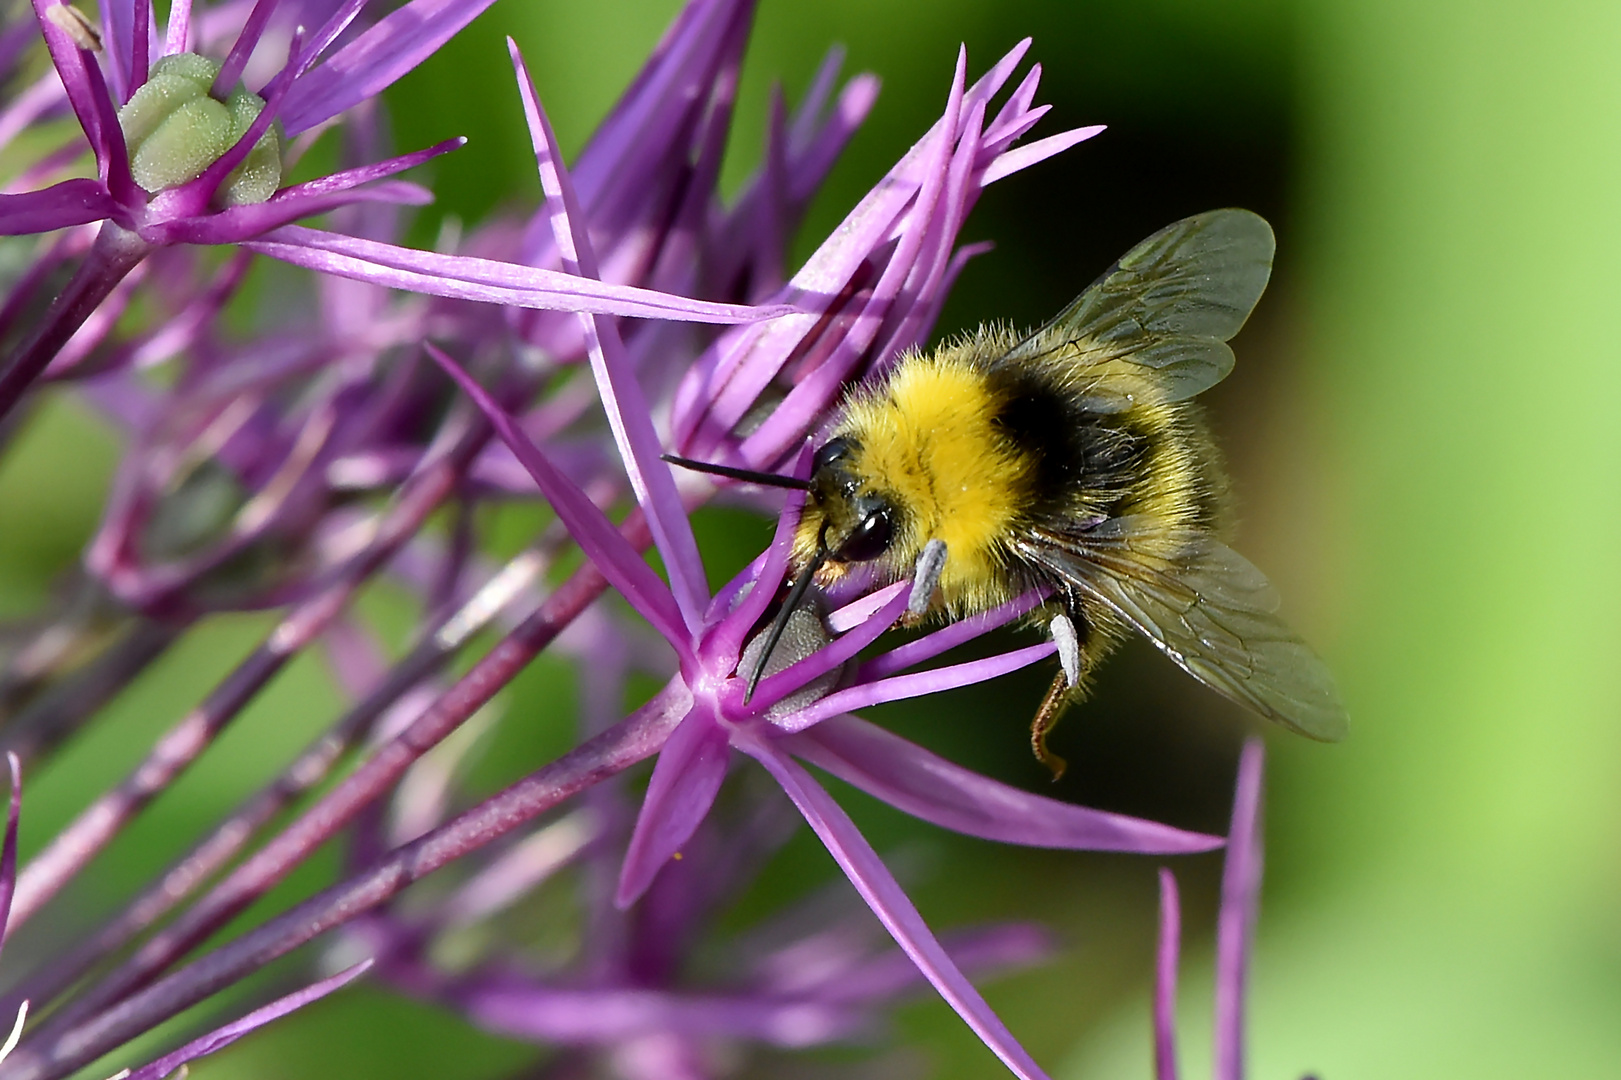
[1047, 717]
[1069, 648]
[1058, 696]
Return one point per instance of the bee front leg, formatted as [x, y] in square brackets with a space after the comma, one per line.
[1058, 696]
[925, 579]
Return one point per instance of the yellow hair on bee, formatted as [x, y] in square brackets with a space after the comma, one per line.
[928, 439]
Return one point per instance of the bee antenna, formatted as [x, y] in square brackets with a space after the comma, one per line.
[780, 624]
[752, 476]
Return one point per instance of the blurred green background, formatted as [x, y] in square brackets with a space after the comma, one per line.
[1424, 438]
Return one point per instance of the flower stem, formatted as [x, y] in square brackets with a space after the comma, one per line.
[75, 845]
[370, 781]
[62, 709]
[637, 737]
[115, 253]
[442, 640]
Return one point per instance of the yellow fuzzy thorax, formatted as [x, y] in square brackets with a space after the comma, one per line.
[927, 439]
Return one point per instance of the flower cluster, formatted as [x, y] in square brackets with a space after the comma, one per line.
[356, 431]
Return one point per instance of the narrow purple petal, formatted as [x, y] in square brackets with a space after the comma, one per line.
[629, 416]
[843, 620]
[988, 950]
[240, 223]
[72, 67]
[118, 44]
[959, 259]
[8, 853]
[927, 786]
[801, 673]
[140, 60]
[72, 202]
[364, 174]
[988, 84]
[884, 896]
[468, 278]
[1040, 150]
[399, 41]
[1016, 106]
[917, 684]
[225, 1036]
[1240, 896]
[111, 154]
[653, 111]
[342, 15]
[1170, 949]
[598, 538]
[178, 33]
[949, 637]
[236, 61]
[686, 779]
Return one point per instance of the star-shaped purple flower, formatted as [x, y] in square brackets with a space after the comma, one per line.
[804, 712]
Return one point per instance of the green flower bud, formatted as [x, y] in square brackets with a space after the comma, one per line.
[175, 130]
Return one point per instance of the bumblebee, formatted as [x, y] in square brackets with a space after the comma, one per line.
[1072, 460]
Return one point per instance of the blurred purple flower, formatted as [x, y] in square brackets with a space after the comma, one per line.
[627, 994]
[305, 93]
[803, 709]
[1235, 927]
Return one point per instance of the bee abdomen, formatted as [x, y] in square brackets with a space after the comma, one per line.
[1086, 463]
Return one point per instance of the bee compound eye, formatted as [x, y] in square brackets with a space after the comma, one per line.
[869, 539]
[830, 453]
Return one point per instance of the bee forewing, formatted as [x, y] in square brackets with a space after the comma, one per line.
[1168, 306]
[1213, 613]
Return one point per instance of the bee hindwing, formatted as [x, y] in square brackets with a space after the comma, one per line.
[1210, 611]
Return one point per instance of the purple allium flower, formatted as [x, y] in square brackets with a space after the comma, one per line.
[627, 994]
[1235, 927]
[185, 155]
[803, 709]
[663, 138]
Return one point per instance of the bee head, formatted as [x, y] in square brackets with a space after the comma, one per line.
[858, 523]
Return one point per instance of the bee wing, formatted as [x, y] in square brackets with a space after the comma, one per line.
[1169, 305]
[1213, 613]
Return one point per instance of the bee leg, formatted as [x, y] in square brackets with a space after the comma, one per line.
[1069, 648]
[1052, 707]
[1058, 697]
[926, 578]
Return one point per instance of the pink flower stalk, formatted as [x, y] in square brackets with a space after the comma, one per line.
[125, 100]
[812, 975]
[804, 709]
[207, 1044]
[1235, 929]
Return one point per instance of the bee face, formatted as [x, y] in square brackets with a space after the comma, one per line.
[857, 524]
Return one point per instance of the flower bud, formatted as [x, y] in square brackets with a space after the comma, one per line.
[175, 130]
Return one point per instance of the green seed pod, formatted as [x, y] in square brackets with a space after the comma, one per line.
[259, 175]
[175, 130]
